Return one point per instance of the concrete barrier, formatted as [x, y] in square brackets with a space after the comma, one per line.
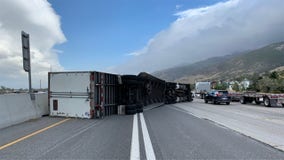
[5, 119]
[41, 104]
[17, 108]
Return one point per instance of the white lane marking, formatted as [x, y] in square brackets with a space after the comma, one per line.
[150, 155]
[135, 146]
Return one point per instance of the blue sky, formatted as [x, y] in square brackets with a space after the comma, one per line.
[129, 36]
[101, 33]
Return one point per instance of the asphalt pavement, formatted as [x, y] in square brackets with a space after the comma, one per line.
[265, 124]
[165, 132]
[107, 138]
[178, 135]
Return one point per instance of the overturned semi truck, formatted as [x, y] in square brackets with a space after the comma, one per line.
[92, 94]
[177, 92]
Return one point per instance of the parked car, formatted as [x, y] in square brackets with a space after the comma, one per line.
[218, 97]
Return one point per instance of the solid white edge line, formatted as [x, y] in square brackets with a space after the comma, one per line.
[150, 155]
[135, 146]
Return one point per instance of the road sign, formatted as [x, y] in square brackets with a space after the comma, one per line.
[27, 59]
[26, 51]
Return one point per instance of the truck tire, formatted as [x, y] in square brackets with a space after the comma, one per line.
[242, 100]
[257, 101]
[249, 100]
[227, 103]
[130, 109]
[139, 108]
[206, 101]
[267, 102]
[131, 79]
[129, 112]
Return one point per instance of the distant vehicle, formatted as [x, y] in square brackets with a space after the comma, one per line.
[218, 97]
[235, 96]
[268, 99]
[202, 88]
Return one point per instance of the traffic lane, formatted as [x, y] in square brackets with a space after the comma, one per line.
[107, 138]
[268, 128]
[178, 135]
[14, 132]
[252, 108]
[110, 139]
[271, 116]
[36, 145]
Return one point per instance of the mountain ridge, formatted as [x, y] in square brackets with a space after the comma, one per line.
[228, 67]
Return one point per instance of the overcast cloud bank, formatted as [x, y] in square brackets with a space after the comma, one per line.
[220, 29]
[37, 18]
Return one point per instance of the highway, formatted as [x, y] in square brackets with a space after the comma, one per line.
[191, 130]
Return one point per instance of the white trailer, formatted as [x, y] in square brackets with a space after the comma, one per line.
[82, 94]
[202, 88]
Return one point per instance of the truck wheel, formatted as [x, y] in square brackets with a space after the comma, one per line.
[130, 109]
[129, 112]
[131, 79]
[267, 102]
[257, 101]
[139, 108]
[227, 103]
[206, 101]
[242, 100]
[249, 101]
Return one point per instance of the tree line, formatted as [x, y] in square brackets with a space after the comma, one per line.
[269, 82]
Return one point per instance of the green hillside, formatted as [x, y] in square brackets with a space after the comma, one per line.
[228, 67]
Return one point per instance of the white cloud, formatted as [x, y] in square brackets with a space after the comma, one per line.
[37, 18]
[178, 6]
[220, 29]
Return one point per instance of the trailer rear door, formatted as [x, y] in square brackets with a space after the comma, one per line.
[69, 94]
